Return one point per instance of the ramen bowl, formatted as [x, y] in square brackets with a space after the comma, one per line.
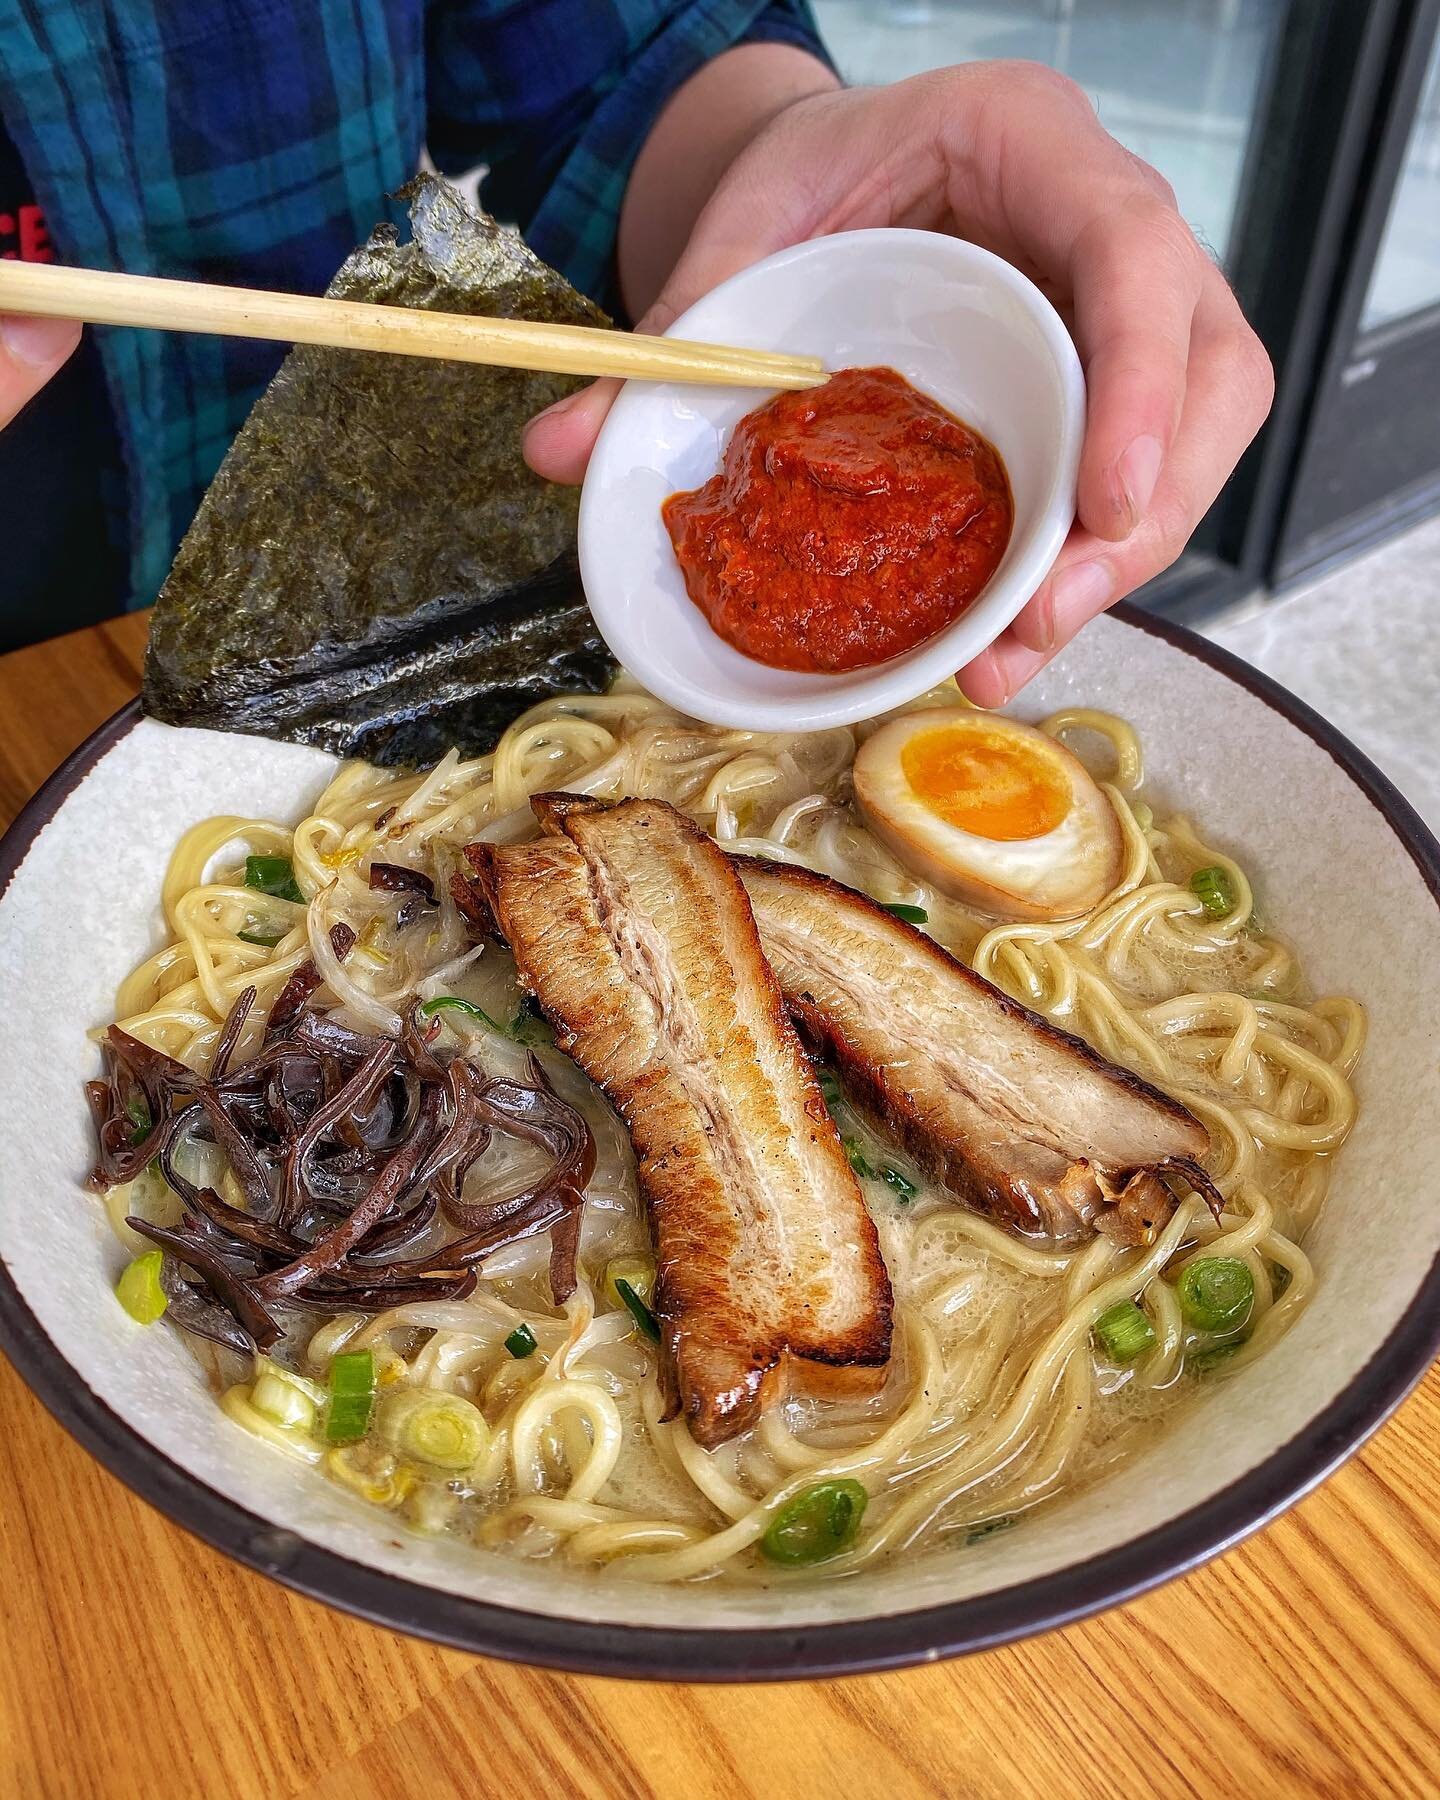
[963, 326]
[1274, 785]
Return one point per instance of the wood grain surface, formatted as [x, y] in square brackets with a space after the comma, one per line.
[138, 1662]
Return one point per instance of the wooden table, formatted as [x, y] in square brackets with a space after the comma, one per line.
[135, 1661]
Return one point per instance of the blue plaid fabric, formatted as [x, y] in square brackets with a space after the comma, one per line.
[254, 142]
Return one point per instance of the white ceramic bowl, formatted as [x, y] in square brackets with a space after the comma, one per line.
[958, 322]
[79, 888]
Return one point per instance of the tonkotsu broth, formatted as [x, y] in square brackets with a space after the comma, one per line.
[1000, 1395]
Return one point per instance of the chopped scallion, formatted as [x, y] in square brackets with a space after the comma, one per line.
[443, 1430]
[139, 1289]
[138, 1113]
[899, 1184]
[638, 1310]
[266, 940]
[895, 1179]
[521, 1343]
[639, 1271]
[1216, 1293]
[859, 1162]
[273, 875]
[352, 1396]
[904, 1188]
[453, 1003]
[531, 1027]
[1124, 1332]
[819, 1522]
[282, 1401]
[1214, 890]
[912, 915]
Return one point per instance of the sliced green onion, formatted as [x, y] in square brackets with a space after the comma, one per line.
[1204, 1360]
[273, 875]
[352, 1396]
[139, 1289]
[859, 1162]
[905, 1188]
[830, 1091]
[138, 1113]
[901, 1185]
[521, 1343]
[453, 1003]
[1216, 1293]
[1124, 1332]
[912, 915]
[531, 1027]
[638, 1271]
[527, 1027]
[1212, 888]
[265, 939]
[282, 1400]
[819, 1522]
[834, 1098]
[443, 1430]
[988, 1528]
[638, 1310]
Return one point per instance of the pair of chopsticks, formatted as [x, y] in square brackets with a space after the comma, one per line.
[98, 297]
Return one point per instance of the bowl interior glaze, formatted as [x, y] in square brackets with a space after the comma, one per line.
[1343, 868]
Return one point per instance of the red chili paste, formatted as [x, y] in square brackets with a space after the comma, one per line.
[847, 524]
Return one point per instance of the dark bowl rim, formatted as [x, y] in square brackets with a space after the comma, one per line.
[774, 1652]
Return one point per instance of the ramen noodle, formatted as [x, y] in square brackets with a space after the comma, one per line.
[1000, 1394]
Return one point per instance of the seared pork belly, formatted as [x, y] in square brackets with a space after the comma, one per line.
[1016, 1117]
[632, 930]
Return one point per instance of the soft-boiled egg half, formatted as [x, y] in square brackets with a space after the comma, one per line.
[990, 812]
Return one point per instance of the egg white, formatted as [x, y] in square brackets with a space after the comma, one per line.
[1059, 874]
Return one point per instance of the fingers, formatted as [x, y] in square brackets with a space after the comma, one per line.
[1101, 230]
[557, 442]
[1136, 277]
[735, 228]
[1227, 395]
[31, 350]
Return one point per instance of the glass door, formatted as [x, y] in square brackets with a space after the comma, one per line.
[1370, 463]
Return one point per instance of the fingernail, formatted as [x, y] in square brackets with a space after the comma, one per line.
[987, 667]
[1138, 470]
[1078, 593]
[35, 341]
[558, 408]
[1035, 627]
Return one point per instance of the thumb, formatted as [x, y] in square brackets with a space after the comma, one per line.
[734, 230]
[31, 350]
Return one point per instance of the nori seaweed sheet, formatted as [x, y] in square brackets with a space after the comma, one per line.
[374, 569]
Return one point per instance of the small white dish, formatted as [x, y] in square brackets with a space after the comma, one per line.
[963, 326]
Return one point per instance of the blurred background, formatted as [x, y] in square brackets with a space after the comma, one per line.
[1302, 138]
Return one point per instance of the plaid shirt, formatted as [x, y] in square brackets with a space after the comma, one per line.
[254, 142]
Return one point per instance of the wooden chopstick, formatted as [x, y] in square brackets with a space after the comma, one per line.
[99, 297]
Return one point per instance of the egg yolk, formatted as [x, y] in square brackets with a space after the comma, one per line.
[991, 786]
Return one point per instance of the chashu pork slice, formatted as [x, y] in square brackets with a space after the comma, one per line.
[1016, 1117]
[632, 930]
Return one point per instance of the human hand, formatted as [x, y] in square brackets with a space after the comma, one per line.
[1012, 157]
[31, 350]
